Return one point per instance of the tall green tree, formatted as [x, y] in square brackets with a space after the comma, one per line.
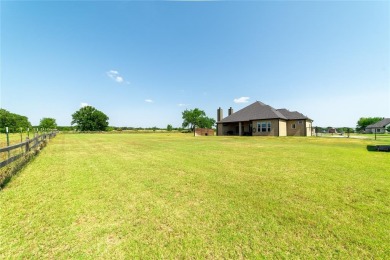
[89, 118]
[13, 121]
[48, 123]
[169, 127]
[366, 121]
[196, 117]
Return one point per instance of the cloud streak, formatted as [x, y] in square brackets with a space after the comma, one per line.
[83, 104]
[241, 100]
[115, 76]
[149, 101]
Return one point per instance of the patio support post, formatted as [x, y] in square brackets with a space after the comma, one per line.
[239, 128]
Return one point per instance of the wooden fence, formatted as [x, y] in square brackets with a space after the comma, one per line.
[23, 147]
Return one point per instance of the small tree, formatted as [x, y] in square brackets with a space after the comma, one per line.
[48, 123]
[196, 117]
[169, 127]
[89, 118]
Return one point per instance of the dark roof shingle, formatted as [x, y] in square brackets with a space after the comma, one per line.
[380, 124]
[255, 111]
[294, 115]
[260, 111]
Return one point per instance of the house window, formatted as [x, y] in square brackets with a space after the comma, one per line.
[300, 122]
[293, 126]
[378, 130]
[264, 127]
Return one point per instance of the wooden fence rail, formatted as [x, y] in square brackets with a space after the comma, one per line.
[28, 145]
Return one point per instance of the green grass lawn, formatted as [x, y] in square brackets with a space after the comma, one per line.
[120, 196]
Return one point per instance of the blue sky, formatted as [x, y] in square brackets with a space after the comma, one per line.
[143, 63]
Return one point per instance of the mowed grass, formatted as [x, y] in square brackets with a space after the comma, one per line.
[121, 196]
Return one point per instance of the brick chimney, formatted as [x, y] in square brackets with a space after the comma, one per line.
[219, 114]
[230, 111]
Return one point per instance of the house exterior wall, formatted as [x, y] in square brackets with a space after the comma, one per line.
[246, 128]
[220, 129]
[299, 130]
[279, 127]
[227, 129]
[282, 128]
[233, 128]
[274, 128]
[309, 128]
[381, 130]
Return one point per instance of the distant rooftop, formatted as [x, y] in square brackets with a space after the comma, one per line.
[380, 124]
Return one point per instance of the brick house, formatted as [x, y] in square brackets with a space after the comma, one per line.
[259, 119]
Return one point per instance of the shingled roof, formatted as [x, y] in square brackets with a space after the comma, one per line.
[380, 124]
[293, 115]
[255, 111]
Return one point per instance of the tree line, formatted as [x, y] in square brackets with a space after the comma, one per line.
[89, 118]
[15, 122]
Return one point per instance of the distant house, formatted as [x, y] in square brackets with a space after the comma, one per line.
[332, 130]
[259, 119]
[379, 127]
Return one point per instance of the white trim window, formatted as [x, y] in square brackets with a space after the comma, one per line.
[300, 122]
[293, 126]
[264, 127]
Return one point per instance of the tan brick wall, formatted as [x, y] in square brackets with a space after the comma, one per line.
[204, 132]
[274, 128]
[300, 129]
[278, 128]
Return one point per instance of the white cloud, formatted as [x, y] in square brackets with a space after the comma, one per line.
[114, 75]
[241, 100]
[182, 105]
[148, 100]
[84, 104]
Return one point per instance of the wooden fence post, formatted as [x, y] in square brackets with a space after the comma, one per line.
[27, 145]
[21, 139]
[6, 131]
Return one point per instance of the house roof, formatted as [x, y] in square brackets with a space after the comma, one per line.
[380, 124]
[259, 111]
[294, 115]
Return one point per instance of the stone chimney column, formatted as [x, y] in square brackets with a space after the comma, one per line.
[219, 114]
[230, 111]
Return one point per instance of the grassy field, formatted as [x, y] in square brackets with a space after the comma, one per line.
[175, 196]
